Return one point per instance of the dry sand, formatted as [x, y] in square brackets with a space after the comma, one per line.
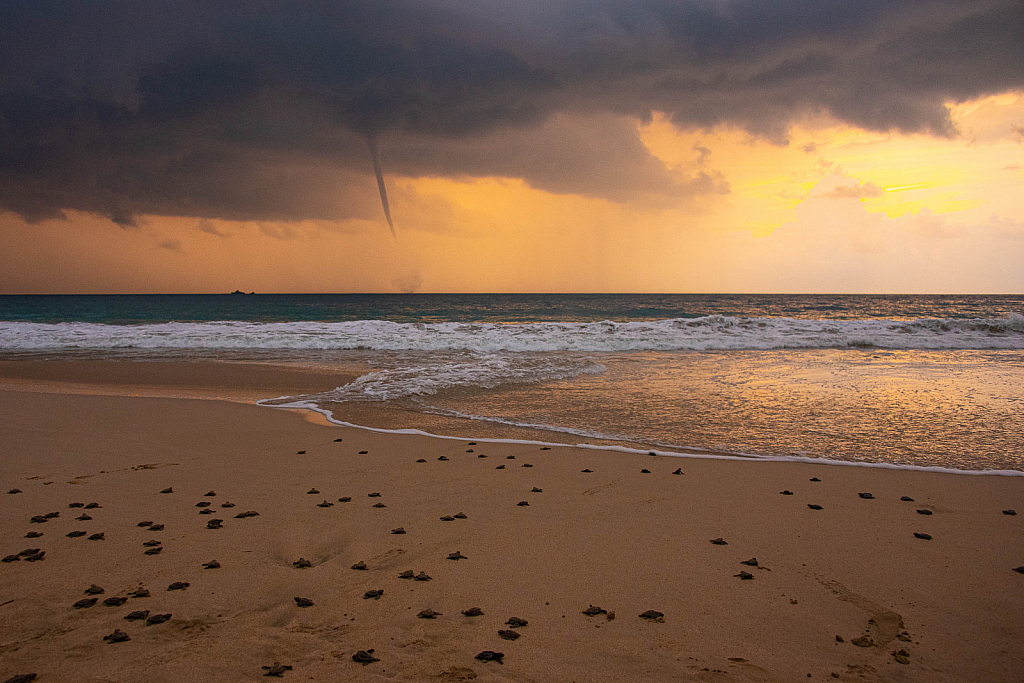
[616, 538]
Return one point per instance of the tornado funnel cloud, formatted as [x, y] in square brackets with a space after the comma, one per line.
[371, 142]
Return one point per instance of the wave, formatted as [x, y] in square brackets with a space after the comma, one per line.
[713, 332]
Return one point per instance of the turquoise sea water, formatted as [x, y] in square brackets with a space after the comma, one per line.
[932, 381]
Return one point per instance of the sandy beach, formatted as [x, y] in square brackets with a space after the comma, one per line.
[846, 592]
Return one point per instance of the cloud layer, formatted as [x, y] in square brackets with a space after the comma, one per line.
[259, 110]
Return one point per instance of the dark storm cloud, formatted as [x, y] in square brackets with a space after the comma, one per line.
[261, 110]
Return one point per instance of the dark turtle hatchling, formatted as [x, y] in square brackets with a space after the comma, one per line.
[815, 507]
[91, 506]
[212, 564]
[156, 550]
[83, 517]
[653, 615]
[719, 541]
[447, 518]
[506, 634]
[786, 492]
[399, 530]
[678, 471]
[215, 524]
[14, 491]
[481, 456]
[303, 602]
[422, 576]
[22, 678]
[924, 512]
[137, 615]
[752, 562]
[206, 511]
[157, 619]
[151, 543]
[523, 503]
[814, 479]
[140, 593]
[312, 492]
[473, 612]
[407, 574]
[536, 490]
[227, 504]
[923, 537]
[422, 460]
[277, 669]
[203, 504]
[118, 636]
[76, 534]
[325, 504]
[359, 565]
[500, 467]
[34, 556]
[157, 527]
[115, 602]
[1010, 512]
[588, 471]
[345, 499]
[460, 515]
[364, 657]
[457, 555]
[52, 515]
[510, 457]
[364, 452]
[247, 513]
[443, 459]
[34, 534]
[516, 622]
[594, 610]
[302, 563]
[428, 614]
[39, 519]
[491, 656]
[645, 471]
[168, 490]
[744, 576]
[1019, 570]
[906, 499]
[179, 586]
[374, 594]
[526, 464]
[210, 493]
[76, 505]
[94, 590]
[85, 603]
[144, 524]
[379, 505]
[866, 496]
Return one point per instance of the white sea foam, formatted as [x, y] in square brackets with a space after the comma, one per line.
[713, 332]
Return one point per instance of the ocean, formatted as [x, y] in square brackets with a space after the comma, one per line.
[899, 381]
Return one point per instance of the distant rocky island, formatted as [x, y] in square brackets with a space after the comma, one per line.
[238, 291]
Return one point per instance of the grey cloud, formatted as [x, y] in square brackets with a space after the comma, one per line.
[258, 111]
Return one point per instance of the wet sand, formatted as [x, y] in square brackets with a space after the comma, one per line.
[616, 538]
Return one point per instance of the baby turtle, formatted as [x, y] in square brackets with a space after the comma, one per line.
[118, 636]
[460, 515]
[179, 586]
[364, 452]
[337, 440]
[1019, 570]
[1010, 512]
[471, 443]
[76, 534]
[140, 593]
[815, 507]
[422, 576]
[153, 551]
[399, 530]
[206, 511]
[277, 669]
[312, 492]
[506, 634]
[473, 612]
[345, 499]
[145, 524]
[457, 555]
[787, 492]
[923, 537]
[302, 563]
[407, 574]
[420, 460]
[364, 657]
[168, 490]
[157, 527]
[157, 619]
[325, 504]
[545, 448]
[227, 505]
[115, 602]
[594, 610]
[304, 602]
[678, 471]
[90, 506]
[22, 678]
[447, 518]
[469, 450]
[865, 496]
[645, 471]
[379, 505]
[744, 576]
[203, 504]
[39, 519]
[500, 467]
[443, 458]
[490, 656]
[137, 615]
[924, 512]
[34, 534]
[752, 562]
[215, 524]
[906, 499]
[83, 517]
[34, 556]
[718, 541]
[510, 457]
[151, 543]
[85, 603]
[375, 594]
[516, 622]
[212, 564]
[814, 479]
[481, 456]
[10, 558]
[76, 505]
[653, 615]
[536, 490]
[522, 503]
[14, 491]
[300, 452]
[359, 565]
[210, 493]
[428, 614]
[94, 590]
[247, 513]
[588, 471]
[52, 515]
[526, 464]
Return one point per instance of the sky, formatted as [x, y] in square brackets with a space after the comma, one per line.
[525, 146]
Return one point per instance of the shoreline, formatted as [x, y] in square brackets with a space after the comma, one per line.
[616, 537]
